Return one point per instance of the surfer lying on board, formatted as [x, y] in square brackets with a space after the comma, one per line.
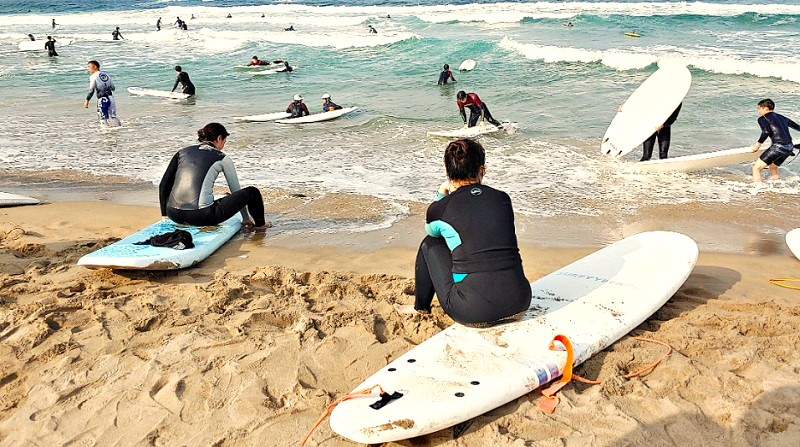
[297, 107]
[446, 75]
[775, 127]
[183, 79]
[327, 104]
[477, 109]
[256, 61]
[100, 82]
[470, 257]
[186, 189]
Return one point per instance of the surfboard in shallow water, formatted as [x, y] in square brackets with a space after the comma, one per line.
[471, 132]
[263, 118]
[467, 65]
[139, 91]
[696, 162]
[318, 117]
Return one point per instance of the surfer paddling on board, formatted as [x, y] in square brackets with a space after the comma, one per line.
[328, 105]
[183, 79]
[775, 127]
[297, 107]
[100, 82]
[470, 258]
[186, 189]
[477, 109]
[446, 75]
[255, 61]
[664, 135]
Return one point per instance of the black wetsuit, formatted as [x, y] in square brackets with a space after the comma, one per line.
[470, 257]
[476, 109]
[116, 35]
[663, 135]
[445, 76]
[50, 46]
[297, 109]
[158, 25]
[183, 80]
[186, 189]
[776, 127]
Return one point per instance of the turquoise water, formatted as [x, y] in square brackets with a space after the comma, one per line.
[561, 84]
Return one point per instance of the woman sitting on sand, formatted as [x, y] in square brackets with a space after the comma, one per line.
[186, 189]
[470, 257]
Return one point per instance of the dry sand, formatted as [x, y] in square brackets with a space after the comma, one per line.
[248, 348]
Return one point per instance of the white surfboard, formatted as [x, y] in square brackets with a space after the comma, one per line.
[474, 131]
[280, 69]
[33, 45]
[467, 65]
[463, 372]
[125, 255]
[647, 108]
[270, 66]
[139, 91]
[697, 162]
[8, 199]
[263, 118]
[318, 117]
[793, 241]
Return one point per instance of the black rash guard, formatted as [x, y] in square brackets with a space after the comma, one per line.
[183, 80]
[776, 127]
[445, 76]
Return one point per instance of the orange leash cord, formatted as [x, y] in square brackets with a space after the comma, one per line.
[358, 393]
[551, 400]
[780, 281]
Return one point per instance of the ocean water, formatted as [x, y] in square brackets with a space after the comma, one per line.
[561, 84]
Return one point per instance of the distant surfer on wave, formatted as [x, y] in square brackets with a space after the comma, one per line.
[372, 30]
[158, 24]
[297, 107]
[775, 127]
[183, 79]
[255, 61]
[328, 105]
[477, 109]
[101, 84]
[446, 75]
[186, 189]
[291, 28]
[30, 36]
[470, 258]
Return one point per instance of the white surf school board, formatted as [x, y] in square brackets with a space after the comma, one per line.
[263, 118]
[467, 65]
[471, 132]
[697, 162]
[793, 241]
[139, 91]
[463, 372]
[8, 199]
[124, 254]
[318, 117]
[272, 71]
[647, 108]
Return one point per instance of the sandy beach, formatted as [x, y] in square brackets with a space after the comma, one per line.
[250, 346]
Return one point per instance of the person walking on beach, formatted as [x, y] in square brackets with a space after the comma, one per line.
[664, 135]
[775, 127]
[297, 107]
[328, 105]
[116, 35]
[158, 24]
[186, 189]
[477, 109]
[50, 46]
[183, 79]
[100, 82]
[470, 257]
[446, 75]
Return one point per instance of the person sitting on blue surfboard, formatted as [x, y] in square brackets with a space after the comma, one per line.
[477, 109]
[297, 107]
[328, 105]
[446, 75]
[470, 258]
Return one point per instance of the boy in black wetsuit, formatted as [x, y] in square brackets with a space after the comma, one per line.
[184, 81]
[775, 127]
[446, 75]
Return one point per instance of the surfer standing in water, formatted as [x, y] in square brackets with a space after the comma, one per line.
[446, 75]
[186, 189]
[183, 79]
[477, 109]
[470, 258]
[50, 46]
[664, 135]
[116, 35]
[100, 82]
[297, 107]
[775, 127]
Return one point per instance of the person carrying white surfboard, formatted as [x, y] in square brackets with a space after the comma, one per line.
[328, 105]
[446, 75]
[297, 107]
[187, 87]
[477, 109]
[186, 188]
[775, 127]
[470, 258]
[664, 135]
[100, 82]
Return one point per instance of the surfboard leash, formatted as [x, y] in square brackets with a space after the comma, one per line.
[550, 402]
[780, 282]
[365, 392]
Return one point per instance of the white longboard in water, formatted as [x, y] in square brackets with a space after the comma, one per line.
[139, 91]
[125, 254]
[467, 65]
[463, 372]
[471, 132]
[273, 71]
[8, 199]
[648, 107]
[263, 118]
[697, 162]
[318, 117]
[793, 241]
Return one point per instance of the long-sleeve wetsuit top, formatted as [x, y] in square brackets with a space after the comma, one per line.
[50, 45]
[183, 80]
[776, 127]
[188, 183]
[330, 105]
[473, 102]
[477, 223]
[101, 83]
[445, 76]
[674, 117]
[297, 109]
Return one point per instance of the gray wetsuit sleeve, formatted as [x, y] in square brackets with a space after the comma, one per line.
[233, 180]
